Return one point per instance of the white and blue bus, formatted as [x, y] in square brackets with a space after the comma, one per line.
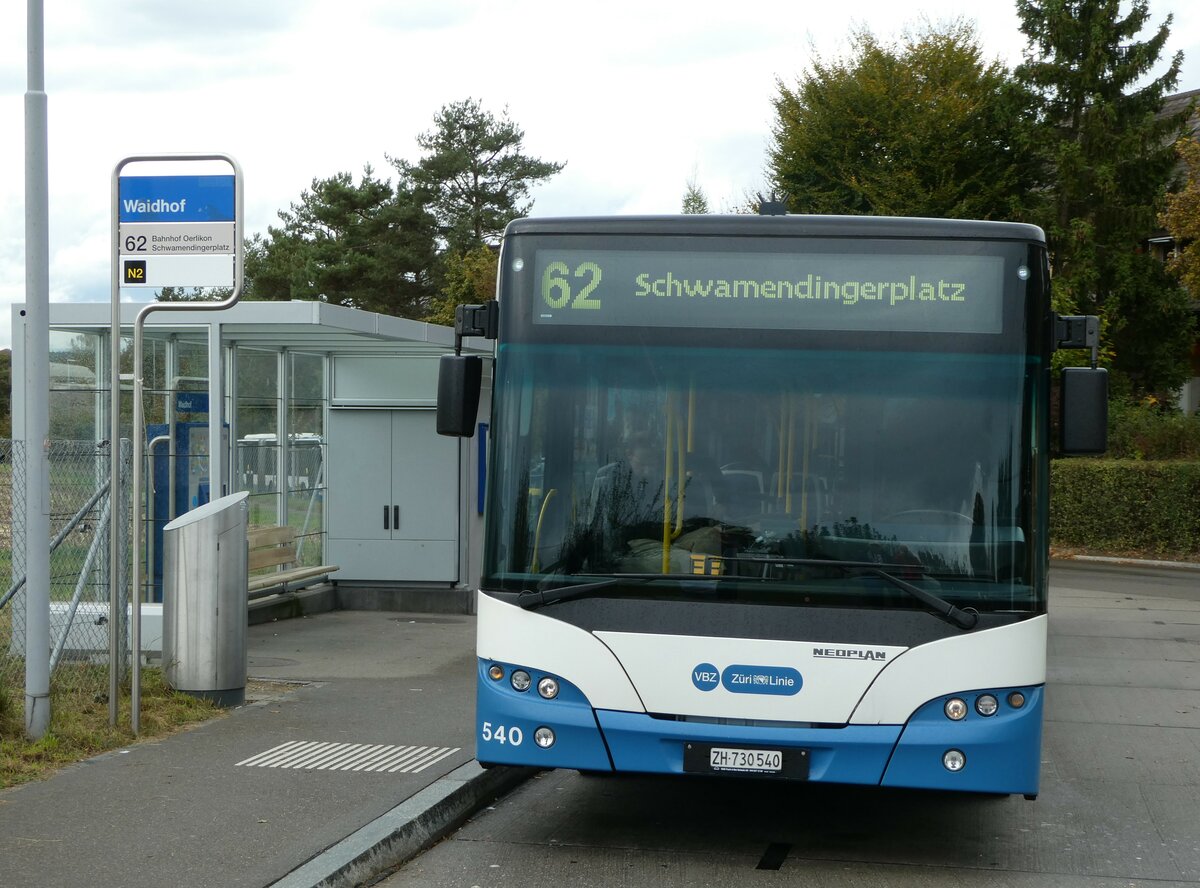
[767, 496]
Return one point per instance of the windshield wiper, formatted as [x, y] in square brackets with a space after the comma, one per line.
[963, 618]
[530, 599]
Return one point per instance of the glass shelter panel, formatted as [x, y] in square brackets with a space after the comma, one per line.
[75, 387]
[256, 404]
[306, 453]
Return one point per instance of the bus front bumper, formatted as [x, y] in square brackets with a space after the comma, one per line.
[999, 753]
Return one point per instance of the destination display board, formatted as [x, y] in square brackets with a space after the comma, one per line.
[177, 231]
[769, 290]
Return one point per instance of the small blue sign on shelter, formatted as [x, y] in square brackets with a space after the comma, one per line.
[191, 402]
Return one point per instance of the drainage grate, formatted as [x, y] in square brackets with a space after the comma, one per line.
[313, 756]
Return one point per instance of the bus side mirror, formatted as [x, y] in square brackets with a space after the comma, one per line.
[459, 381]
[1084, 410]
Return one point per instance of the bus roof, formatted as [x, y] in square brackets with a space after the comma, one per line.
[779, 226]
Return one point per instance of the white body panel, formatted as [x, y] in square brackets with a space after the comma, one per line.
[1010, 656]
[514, 635]
[661, 669]
[851, 683]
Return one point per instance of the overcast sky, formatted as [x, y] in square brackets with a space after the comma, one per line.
[635, 97]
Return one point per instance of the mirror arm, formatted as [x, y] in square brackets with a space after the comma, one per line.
[1078, 331]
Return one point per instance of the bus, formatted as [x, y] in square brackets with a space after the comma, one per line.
[767, 497]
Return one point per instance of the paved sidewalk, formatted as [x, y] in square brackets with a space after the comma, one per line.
[358, 735]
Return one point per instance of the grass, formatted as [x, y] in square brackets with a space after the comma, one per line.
[79, 727]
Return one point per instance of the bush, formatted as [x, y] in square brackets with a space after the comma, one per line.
[1137, 430]
[1126, 506]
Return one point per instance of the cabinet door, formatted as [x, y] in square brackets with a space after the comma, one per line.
[389, 465]
[360, 474]
[424, 477]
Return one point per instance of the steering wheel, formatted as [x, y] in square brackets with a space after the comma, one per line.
[931, 516]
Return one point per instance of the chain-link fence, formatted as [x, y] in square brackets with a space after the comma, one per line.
[80, 514]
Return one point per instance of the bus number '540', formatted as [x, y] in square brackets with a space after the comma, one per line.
[501, 734]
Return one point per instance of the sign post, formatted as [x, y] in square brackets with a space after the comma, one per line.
[177, 222]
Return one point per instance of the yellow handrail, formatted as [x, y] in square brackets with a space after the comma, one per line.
[537, 536]
[809, 428]
[691, 448]
[782, 440]
[791, 453]
[666, 532]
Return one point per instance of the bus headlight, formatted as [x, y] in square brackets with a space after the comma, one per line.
[521, 680]
[956, 709]
[954, 760]
[548, 688]
[496, 672]
[1016, 699]
[986, 704]
[543, 737]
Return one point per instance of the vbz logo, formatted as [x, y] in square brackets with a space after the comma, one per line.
[706, 677]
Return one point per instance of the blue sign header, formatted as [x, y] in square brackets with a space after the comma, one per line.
[176, 199]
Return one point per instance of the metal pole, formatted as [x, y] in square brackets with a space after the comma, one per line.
[37, 384]
[217, 460]
[115, 574]
[139, 431]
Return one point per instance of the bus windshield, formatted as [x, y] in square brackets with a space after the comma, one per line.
[763, 465]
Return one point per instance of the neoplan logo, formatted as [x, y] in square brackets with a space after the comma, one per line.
[135, 271]
[848, 654]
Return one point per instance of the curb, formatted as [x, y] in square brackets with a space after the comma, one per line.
[1088, 560]
[406, 830]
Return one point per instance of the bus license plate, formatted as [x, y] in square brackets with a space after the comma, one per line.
[703, 758]
[766, 761]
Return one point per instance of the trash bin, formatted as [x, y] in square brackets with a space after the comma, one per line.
[205, 601]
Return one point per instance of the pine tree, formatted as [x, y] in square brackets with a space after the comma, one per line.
[694, 201]
[1108, 151]
[475, 177]
[1109, 154]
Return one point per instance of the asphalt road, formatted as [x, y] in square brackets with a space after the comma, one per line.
[1119, 803]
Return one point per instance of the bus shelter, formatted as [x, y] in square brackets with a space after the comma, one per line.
[324, 415]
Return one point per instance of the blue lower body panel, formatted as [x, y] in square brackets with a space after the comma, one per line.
[507, 722]
[1002, 752]
[853, 754]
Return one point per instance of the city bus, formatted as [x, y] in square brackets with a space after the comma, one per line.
[767, 497]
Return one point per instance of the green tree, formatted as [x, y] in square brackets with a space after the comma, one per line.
[193, 294]
[367, 244]
[1150, 327]
[1181, 218]
[468, 279]
[694, 201]
[925, 128]
[5, 393]
[1108, 152]
[474, 176]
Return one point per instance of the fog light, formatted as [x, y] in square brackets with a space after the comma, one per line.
[1016, 699]
[986, 704]
[956, 709]
[496, 672]
[954, 760]
[543, 737]
[521, 680]
[548, 688]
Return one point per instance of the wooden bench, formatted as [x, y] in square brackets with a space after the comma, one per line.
[276, 547]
